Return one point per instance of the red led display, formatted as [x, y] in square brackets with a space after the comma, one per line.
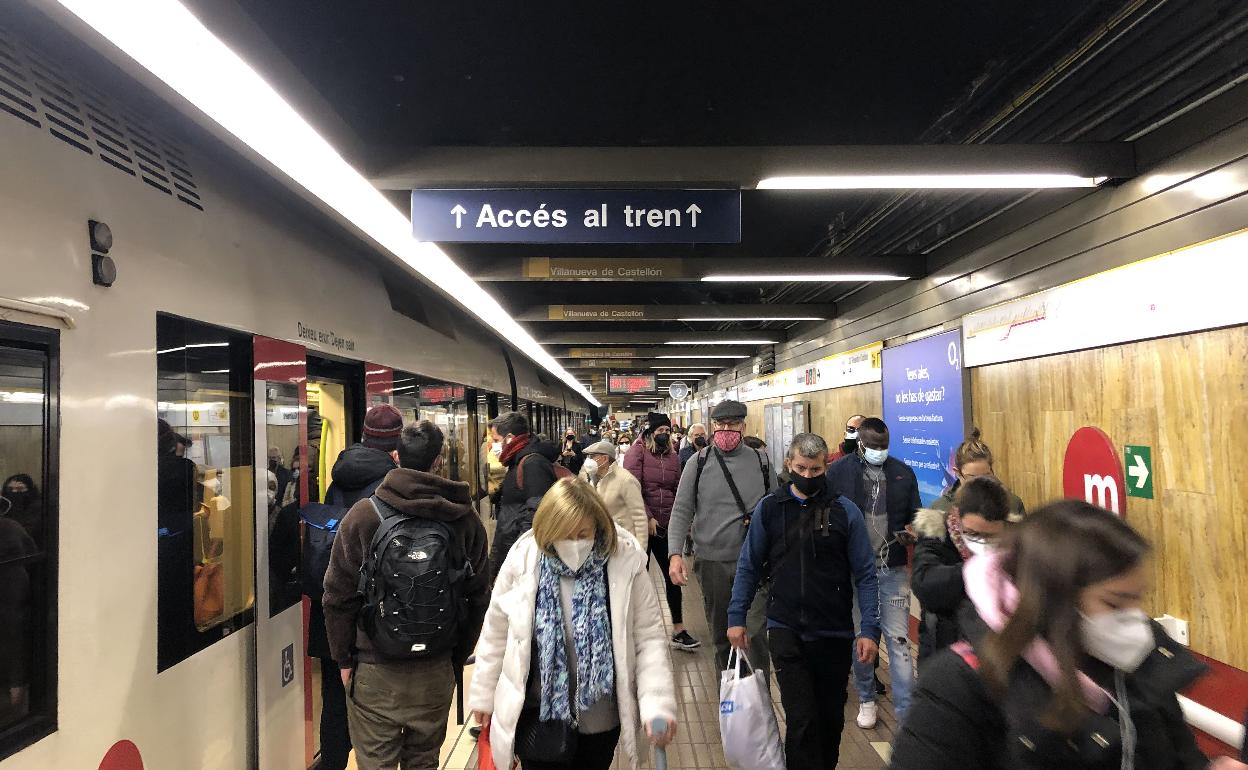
[631, 384]
[439, 394]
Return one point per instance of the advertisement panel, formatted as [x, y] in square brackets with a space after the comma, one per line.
[924, 407]
[853, 367]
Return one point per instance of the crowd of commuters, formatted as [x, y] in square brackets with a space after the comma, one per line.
[1035, 650]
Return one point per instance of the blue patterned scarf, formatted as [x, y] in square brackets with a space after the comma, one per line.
[595, 658]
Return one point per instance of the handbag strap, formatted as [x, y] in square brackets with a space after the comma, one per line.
[732, 485]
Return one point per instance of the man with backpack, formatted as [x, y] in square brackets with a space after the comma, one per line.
[719, 488]
[357, 472]
[530, 472]
[405, 595]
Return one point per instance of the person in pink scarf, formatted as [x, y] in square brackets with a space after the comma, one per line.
[1061, 666]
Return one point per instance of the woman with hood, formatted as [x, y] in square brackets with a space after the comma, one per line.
[24, 504]
[1063, 668]
[945, 542]
[654, 461]
[571, 663]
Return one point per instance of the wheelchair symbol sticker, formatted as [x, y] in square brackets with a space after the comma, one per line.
[288, 665]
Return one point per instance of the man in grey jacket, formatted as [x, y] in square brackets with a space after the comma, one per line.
[719, 488]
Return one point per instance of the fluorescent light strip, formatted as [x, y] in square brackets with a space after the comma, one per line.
[164, 37]
[760, 318]
[722, 342]
[804, 278]
[927, 181]
[741, 356]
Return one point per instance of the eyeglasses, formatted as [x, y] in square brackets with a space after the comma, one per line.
[971, 536]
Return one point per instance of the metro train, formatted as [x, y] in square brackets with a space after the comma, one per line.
[151, 274]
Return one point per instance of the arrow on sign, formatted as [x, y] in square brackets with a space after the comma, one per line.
[459, 212]
[693, 212]
[1139, 472]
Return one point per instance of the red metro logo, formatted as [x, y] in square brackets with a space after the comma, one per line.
[1091, 471]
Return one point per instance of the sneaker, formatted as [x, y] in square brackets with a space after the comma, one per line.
[868, 715]
[683, 641]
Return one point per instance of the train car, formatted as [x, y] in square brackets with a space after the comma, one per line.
[153, 277]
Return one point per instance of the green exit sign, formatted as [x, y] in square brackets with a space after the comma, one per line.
[1139, 471]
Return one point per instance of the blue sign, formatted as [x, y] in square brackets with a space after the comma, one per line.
[577, 216]
[924, 408]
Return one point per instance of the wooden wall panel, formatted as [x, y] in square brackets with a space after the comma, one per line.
[1185, 397]
[828, 409]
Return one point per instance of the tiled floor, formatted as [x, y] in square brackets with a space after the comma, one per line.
[697, 682]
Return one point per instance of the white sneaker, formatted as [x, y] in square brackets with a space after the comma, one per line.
[868, 715]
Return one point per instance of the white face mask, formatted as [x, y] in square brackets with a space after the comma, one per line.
[590, 466]
[1121, 638]
[874, 456]
[573, 553]
[497, 447]
[851, 435]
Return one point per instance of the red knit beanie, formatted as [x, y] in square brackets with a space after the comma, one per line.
[382, 426]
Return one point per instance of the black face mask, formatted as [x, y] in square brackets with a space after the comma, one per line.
[849, 446]
[809, 486]
[700, 442]
[662, 439]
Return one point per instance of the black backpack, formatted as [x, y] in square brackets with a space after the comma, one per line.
[322, 520]
[412, 581]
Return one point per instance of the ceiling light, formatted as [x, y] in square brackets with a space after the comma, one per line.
[722, 342]
[759, 318]
[740, 356]
[679, 367]
[165, 38]
[928, 181]
[805, 277]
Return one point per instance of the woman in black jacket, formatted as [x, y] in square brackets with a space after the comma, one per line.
[973, 526]
[1063, 668]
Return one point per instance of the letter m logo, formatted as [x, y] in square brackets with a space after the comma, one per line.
[1101, 490]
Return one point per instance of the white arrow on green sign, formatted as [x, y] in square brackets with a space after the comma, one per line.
[1139, 467]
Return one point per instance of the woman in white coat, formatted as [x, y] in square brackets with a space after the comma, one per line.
[619, 489]
[573, 654]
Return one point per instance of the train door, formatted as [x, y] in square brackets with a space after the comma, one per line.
[281, 686]
[335, 415]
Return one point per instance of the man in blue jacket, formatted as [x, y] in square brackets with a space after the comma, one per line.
[887, 493]
[812, 545]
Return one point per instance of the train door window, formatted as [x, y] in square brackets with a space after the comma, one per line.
[335, 417]
[205, 490]
[281, 442]
[445, 405]
[28, 519]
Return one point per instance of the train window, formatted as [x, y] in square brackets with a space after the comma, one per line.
[281, 437]
[28, 431]
[205, 489]
[445, 405]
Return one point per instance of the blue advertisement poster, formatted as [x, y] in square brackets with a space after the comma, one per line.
[924, 408]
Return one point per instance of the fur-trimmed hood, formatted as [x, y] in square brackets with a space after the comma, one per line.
[929, 522]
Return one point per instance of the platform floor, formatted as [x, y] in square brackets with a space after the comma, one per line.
[697, 681]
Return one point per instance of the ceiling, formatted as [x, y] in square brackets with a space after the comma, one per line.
[400, 77]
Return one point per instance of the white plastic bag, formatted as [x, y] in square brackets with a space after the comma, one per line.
[747, 722]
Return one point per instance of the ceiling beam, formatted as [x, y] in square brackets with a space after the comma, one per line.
[661, 353]
[743, 167]
[717, 313]
[773, 336]
[679, 269]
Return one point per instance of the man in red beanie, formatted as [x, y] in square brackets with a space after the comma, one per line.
[357, 473]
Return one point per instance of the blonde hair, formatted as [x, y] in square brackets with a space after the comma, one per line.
[972, 450]
[564, 506]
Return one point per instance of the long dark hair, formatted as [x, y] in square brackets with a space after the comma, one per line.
[1053, 555]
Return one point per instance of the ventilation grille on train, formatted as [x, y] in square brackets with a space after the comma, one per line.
[34, 89]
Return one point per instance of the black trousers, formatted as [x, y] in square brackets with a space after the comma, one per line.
[658, 547]
[335, 736]
[593, 752]
[814, 685]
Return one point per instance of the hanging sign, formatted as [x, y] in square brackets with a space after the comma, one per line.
[678, 390]
[577, 216]
[622, 383]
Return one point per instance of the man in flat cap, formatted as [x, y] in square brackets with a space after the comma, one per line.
[719, 488]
